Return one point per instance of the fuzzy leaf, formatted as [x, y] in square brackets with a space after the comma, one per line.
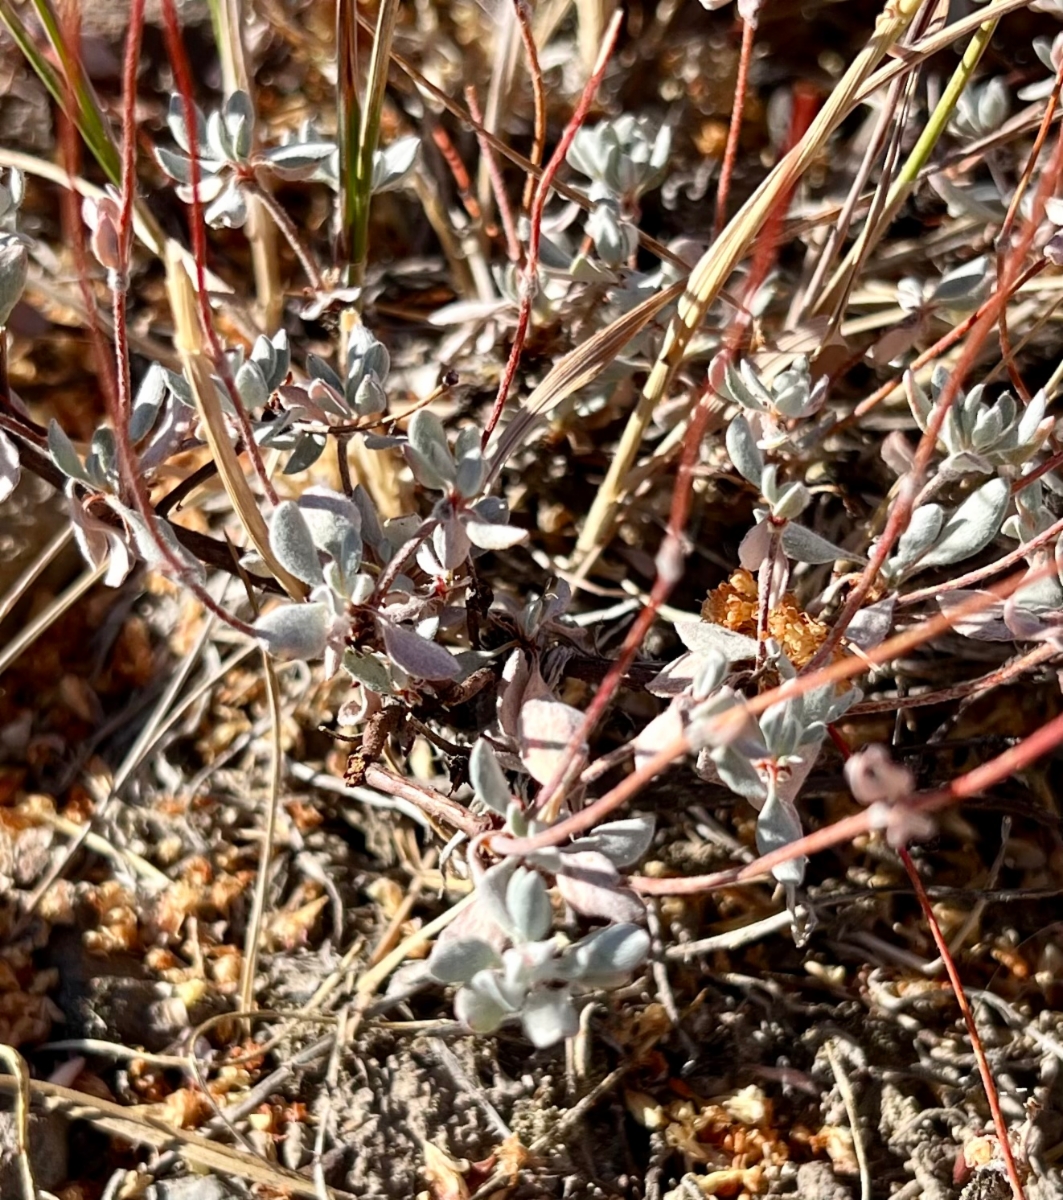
[292, 543]
[369, 671]
[488, 536]
[418, 657]
[971, 527]
[64, 455]
[478, 1011]
[607, 957]
[871, 626]
[779, 825]
[589, 882]
[703, 637]
[920, 535]
[487, 778]
[623, 842]
[744, 452]
[549, 1016]
[391, 164]
[428, 452]
[294, 631]
[457, 961]
[528, 904]
[803, 545]
[545, 727]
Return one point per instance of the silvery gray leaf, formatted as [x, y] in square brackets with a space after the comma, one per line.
[965, 286]
[102, 459]
[177, 166]
[392, 164]
[703, 637]
[229, 211]
[549, 1016]
[744, 452]
[744, 387]
[779, 825]
[871, 626]
[418, 658]
[178, 124]
[589, 882]
[491, 894]
[971, 527]
[428, 453]
[369, 671]
[64, 455]
[292, 543]
[479, 1011]
[608, 957]
[677, 677]
[790, 501]
[298, 160]
[781, 726]
[489, 536]
[14, 270]
[308, 449]
[711, 673]
[920, 535]
[623, 842]
[472, 469]
[487, 778]
[988, 625]
[736, 772]
[369, 397]
[545, 728]
[251, 384]
[457, 961]
[528, 905]
[148, 402]
[238, 117]
[10, 470]
[803, 545]
[335, 524]
[294, 631]
[320, 369]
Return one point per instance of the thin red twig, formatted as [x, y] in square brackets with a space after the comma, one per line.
[972, 1030]
[520, 7]
[183, 80]
[494, 173]
[542, 192]
[1009, 221]
[671, 554]
[901, 509]
[731, 721]
[734, 130]
[462, 182]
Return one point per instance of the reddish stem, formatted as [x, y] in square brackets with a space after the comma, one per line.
[671, 554]
[520, 7]
[542, 192]
[734, 130]
[972, 1030]
[494, 173]
[183, 79]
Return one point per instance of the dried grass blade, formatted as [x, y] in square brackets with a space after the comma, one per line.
[188, 342]
[575, 370]
[145, 1128]
[908, 175]
[258, 905]
[719, 261]
[16, 1064]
